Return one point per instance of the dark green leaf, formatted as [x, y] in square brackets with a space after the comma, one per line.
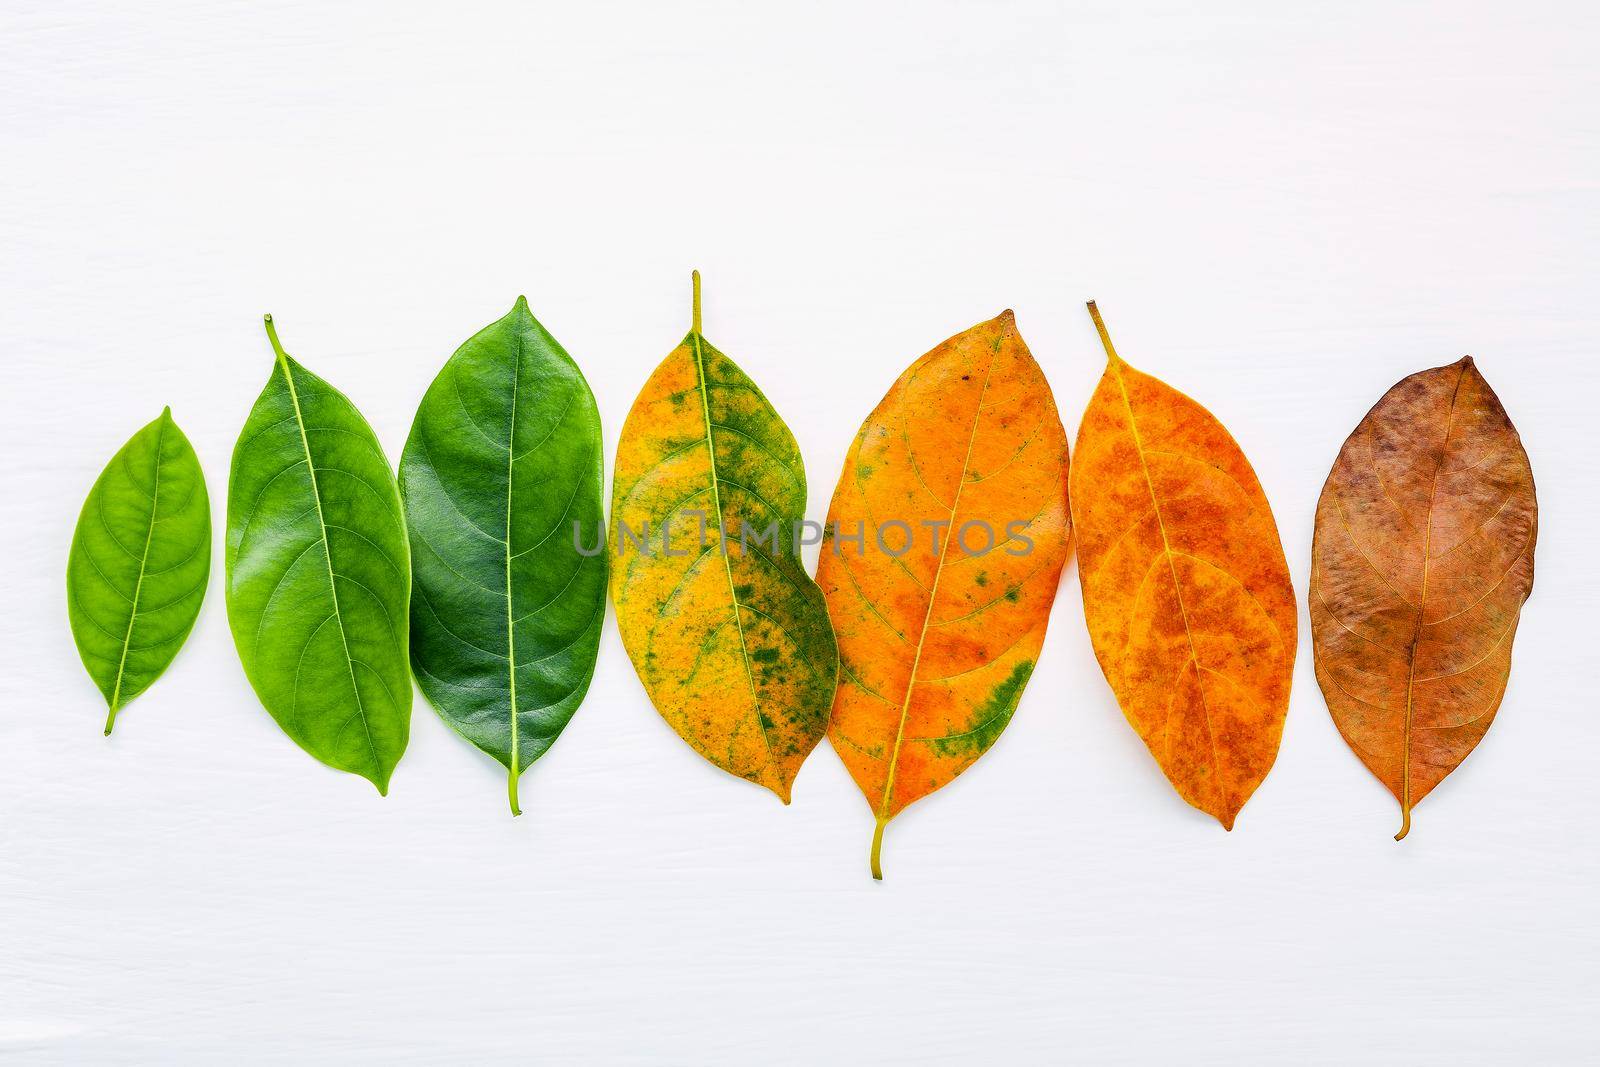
[503, 460]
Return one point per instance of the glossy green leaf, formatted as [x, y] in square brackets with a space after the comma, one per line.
[318, 573]
[139, 563]
[503, 462]
[727, 630]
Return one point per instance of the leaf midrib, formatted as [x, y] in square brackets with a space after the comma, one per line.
[1422, 612]
[933, 596]
[511, 624]
[327, 556]
[697, 343]
[1172, 569]
[144, 560]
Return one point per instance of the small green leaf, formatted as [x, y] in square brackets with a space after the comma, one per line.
[140, 559]
[318, 573]
[503, 461]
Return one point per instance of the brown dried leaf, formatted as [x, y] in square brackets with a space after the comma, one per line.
[1422, 559]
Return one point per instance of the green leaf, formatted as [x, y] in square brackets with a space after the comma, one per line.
[729, 634]
[318, 573]
[140, 559]
[504, 459]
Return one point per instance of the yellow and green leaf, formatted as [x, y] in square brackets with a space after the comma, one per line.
[729, 634]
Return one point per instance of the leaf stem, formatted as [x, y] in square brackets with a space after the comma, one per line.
[1105, 335]
[511, 788]
[695, 325]
[877, 848]
[1405, 822]
[272, 335]
[111, 720]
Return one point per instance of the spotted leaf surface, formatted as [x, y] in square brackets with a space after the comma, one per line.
[140, 559]
[1422, 559]
[729, 634]
[947, 535]
[503, 459]
[318, 574]
[1185, 588]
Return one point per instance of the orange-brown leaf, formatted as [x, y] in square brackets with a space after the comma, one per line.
[1185, 588]
[1422, 559]
[936, 643]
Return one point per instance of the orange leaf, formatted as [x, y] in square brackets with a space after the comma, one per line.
[1185, 587]
[936, 641]
[1422, 559]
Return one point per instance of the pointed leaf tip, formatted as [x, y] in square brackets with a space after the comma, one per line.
[521, 304]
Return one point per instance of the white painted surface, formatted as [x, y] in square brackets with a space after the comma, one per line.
[1281, 212]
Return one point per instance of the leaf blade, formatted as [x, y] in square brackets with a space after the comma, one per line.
[737, 654]
[460, 484]
[1421, 561]
[936, 649]
[319, 574]
[139, 562]
[1185, 587]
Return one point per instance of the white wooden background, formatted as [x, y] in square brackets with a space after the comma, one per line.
[1281, 208]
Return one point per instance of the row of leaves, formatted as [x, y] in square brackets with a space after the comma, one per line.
[344, 583]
